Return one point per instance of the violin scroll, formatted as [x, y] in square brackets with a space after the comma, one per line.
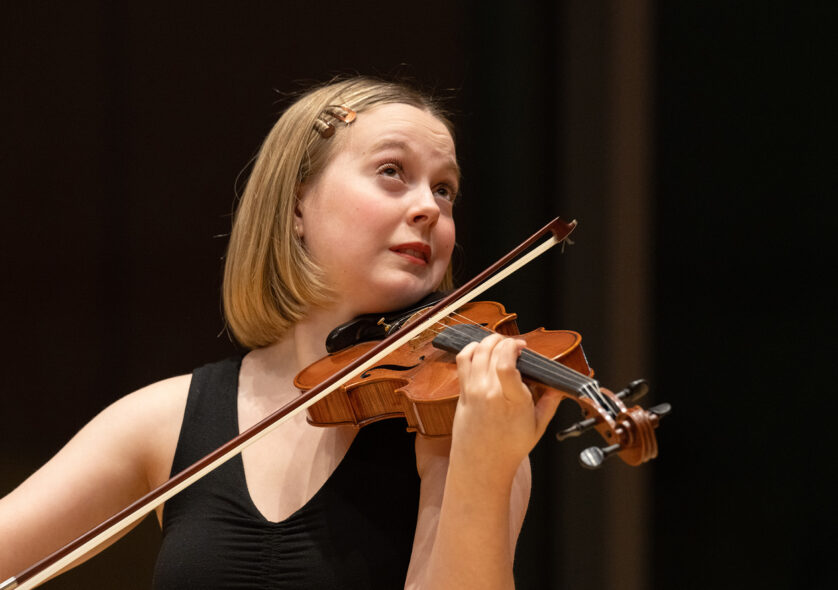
[630, 430]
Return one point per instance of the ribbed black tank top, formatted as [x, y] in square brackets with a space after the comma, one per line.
[356, 532]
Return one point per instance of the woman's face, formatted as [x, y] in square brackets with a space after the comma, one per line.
[378, 218]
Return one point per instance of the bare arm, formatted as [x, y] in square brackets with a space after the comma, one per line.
[471, 524]
[474, 496]
[116, 458]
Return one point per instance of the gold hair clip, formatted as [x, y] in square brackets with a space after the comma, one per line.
[323, 128]
[340, 113]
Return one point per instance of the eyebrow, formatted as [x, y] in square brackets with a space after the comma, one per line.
[388, 143]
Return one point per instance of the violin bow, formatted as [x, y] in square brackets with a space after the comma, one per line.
[53, 564]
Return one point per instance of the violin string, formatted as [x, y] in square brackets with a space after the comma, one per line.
[546, 366]
[580, 383]
[587, 386]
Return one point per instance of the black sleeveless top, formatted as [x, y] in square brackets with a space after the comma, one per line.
[356, 532]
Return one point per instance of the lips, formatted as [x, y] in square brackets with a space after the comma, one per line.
[416, 252]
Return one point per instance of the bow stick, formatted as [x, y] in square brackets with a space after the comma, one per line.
[54, 563]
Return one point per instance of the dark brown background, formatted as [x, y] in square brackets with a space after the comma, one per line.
[692, 140]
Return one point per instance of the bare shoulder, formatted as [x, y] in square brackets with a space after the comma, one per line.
[157, 403]
[160, 396]
[151, 418]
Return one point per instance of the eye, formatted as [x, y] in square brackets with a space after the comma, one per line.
[391, 169]
[446, 192]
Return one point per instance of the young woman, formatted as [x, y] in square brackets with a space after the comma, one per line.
[348, 211]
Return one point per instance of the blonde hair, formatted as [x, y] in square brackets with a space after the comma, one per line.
[269, 278]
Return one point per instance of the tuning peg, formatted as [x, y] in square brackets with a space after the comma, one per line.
[575, 429]
[660, 410]
[634, 391]
[593, 457]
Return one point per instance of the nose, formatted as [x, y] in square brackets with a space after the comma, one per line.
[423, 208]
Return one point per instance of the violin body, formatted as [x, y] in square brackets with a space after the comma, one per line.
[418, 382]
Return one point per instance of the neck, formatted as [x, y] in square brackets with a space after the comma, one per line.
[303, 343]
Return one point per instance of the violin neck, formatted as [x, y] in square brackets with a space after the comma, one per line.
[554, 374]
[531, 364]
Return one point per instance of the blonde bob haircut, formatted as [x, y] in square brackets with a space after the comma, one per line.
[269, 279]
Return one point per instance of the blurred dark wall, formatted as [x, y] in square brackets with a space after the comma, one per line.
[744, 305]
[126, 131]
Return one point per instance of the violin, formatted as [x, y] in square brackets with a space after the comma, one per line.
[418, 382]
[427, 339]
